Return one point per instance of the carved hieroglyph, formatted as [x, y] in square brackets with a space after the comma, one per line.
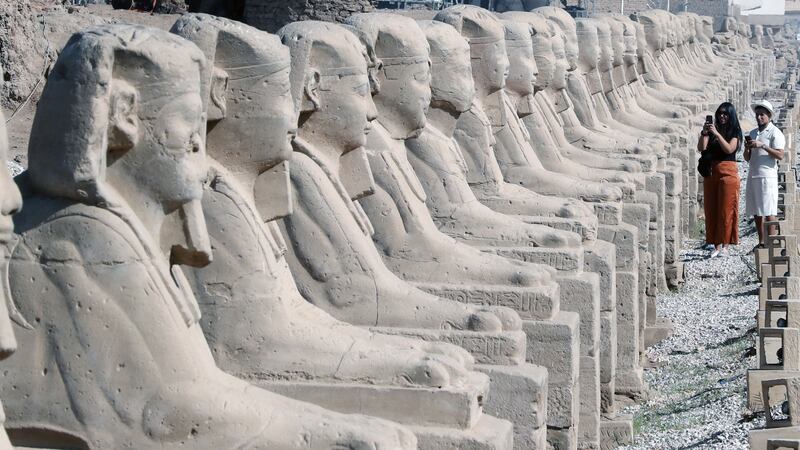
[116, 358]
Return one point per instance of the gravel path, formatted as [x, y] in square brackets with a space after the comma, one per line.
[698, 384]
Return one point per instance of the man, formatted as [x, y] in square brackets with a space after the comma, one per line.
[763, 149]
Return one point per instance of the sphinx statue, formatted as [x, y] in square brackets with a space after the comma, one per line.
[544, 123]
[439, 164]
[405, 234]
[582, 125]
[517, 161]
[344, 273]
[255, 320]
[634, 88]
[117, 357]
[622, 108]
[10, 203]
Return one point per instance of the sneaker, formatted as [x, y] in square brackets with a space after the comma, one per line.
[723, 253]
[714, 254]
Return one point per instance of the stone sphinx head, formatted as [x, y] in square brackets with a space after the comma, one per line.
[729, 25]
[251, 115]
[707, 24]
[617, 39]
[743, 29]
[523, 72]
[561, 66]
[630, 42]
[544, 39]
[757, 34]
[330, 86]
[486, 37]
[10, 203]
[452, 86]
[121, 125]
[652, 31]
[700, 34]
[405, 72]
[589, 50]
[606, 47]
[568, 26]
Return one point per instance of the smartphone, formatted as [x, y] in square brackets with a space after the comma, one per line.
[709, 119]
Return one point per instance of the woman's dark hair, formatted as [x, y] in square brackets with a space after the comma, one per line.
[732, 129]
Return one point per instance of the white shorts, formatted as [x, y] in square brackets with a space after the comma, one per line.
[761, 197]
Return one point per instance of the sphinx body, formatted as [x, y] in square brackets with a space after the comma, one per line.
[254, 318]
[120, 359]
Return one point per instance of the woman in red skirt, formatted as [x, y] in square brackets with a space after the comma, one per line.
[721, 140]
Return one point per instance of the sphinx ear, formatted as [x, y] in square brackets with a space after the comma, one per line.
[123, 122]
[218, 105]
[311, 90]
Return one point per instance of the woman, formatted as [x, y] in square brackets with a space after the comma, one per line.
[763, 150]
[721, 139]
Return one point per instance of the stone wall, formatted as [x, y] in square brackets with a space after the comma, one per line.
[270, 15]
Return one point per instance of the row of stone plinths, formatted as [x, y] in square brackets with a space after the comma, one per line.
[772, 386]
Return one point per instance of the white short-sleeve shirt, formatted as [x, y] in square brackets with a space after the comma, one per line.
[761, 164]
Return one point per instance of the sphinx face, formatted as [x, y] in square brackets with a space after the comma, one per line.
[545, 60]
[490, 64]
[729, 24]
[617, 42]
[523, 71]
[708, 28]
[630, 52]
[345, 111]
[452, 82]
[589, 50]
[606, 47]
[571, 47]
[561, 66]
[260, 121]
[404, 98]
[169, 162]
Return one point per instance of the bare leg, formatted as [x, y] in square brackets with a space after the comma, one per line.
[760, 228]
[772, 229]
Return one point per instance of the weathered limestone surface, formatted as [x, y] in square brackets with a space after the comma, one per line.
[451, 232]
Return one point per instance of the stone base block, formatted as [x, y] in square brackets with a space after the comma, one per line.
[630, 383]
[754, 378]
[562, 438]
[504, 348]
[490, 433]
[453, 407]
[519, 394]
[674, 272]
[580, 293]
[758, 438]
[616, 432]
[653, 334]
[601, 258]
[539, 303]
[555, 345]
[628, 333]
[589, 422]
[608, 403]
